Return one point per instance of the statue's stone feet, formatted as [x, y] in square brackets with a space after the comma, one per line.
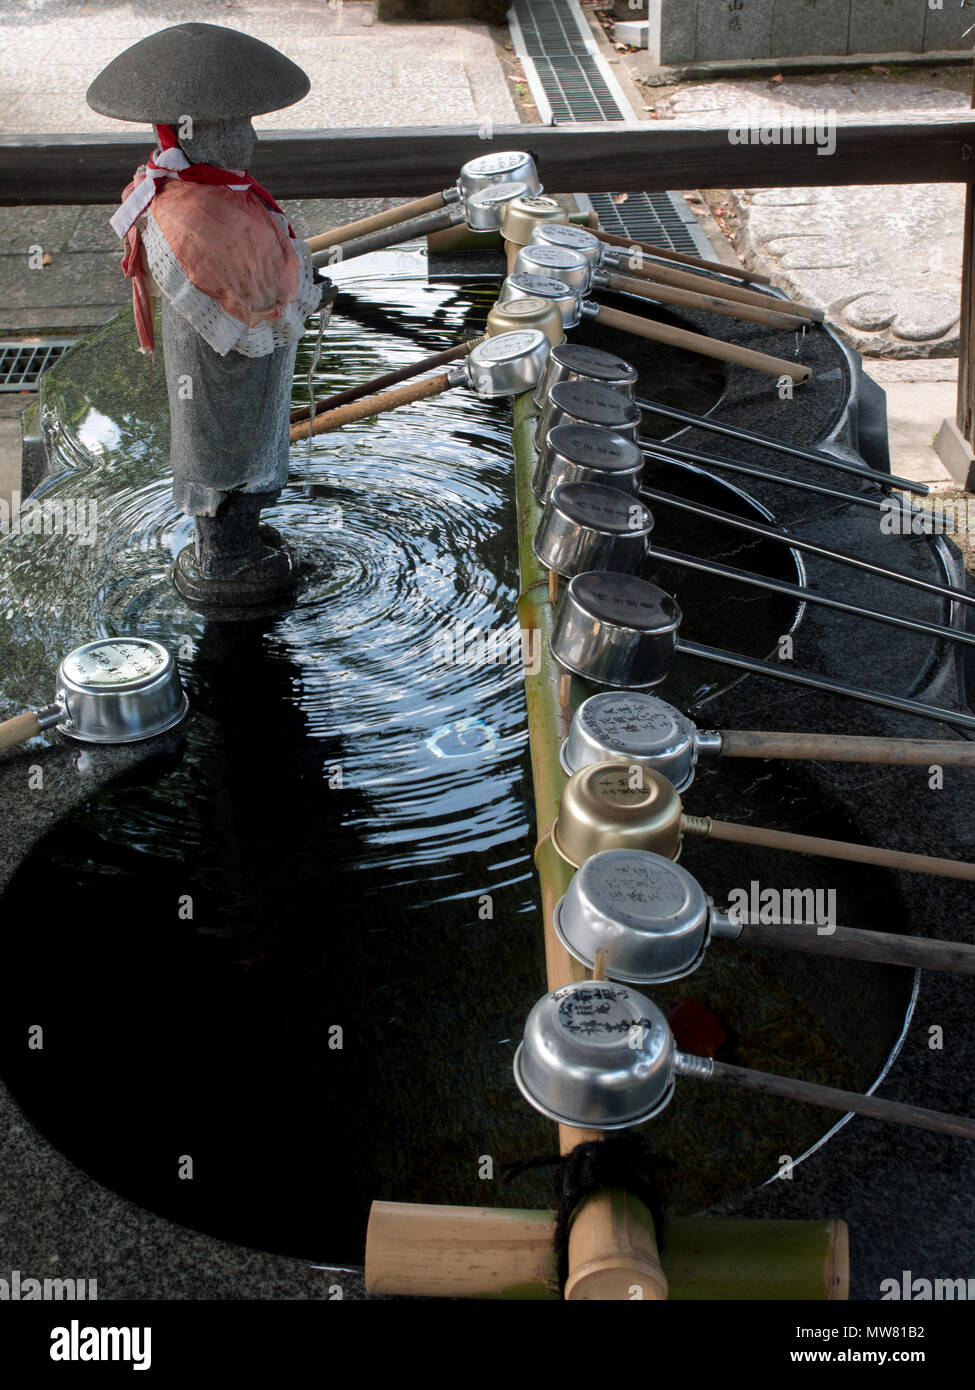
[262, 577]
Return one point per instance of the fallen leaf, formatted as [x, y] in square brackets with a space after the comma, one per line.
[47, 258]
[620, 197]
[777, 78]
[879, 67]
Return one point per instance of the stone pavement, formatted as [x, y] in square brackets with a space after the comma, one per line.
[884, 263]
[363, 73]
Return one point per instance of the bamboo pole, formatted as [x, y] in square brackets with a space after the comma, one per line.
[490, 1252]
[613, 1256]
[612, 1247]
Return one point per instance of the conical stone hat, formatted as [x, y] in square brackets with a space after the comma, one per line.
[202, 71]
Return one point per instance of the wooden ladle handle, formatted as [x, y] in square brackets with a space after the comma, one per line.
[390, 218]
[19, 729]
[381, 383]
[707, 303]
[850, 944]
[700, 342]
[704, 284]
[389, 236]
[834, 849]
[683, 258]
[893, 1112]
[848, 748]
[373, 405]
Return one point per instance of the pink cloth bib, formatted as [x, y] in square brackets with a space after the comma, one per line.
[230, 247]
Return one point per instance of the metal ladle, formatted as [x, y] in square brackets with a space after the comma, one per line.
[586, 454]
[477, 175]
[578, 362]
[585, 403]
[576, 269]
[574, 307]
[596, 525]
[481, 211]
[601, 1056]
[655, 922]
[706, 463]
[112, 690]
[614, 805]
[501, 366]
[644, 731]
[522, 216]
[619, 630]
[505, 318]
[640, 249]
[636, 264]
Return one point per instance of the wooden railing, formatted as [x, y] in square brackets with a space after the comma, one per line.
[45, 170]
[56, 169]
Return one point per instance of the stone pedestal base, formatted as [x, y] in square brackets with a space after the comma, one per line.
[267, 581]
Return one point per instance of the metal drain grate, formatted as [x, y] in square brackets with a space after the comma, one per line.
[576, 91]
[571, 81]
[573, 76]
[21, 363]
[653, 217]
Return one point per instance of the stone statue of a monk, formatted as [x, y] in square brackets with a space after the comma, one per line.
[236, 287]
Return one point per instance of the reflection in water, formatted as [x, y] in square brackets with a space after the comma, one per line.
[303, 958]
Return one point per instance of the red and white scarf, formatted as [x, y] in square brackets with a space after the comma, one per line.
[168, 162]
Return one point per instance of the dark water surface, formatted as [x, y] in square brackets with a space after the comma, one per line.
[301, 954]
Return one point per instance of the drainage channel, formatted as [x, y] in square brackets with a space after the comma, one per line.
[570, 81]
[22, 361]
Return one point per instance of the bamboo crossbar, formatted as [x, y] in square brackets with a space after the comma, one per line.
[611, 1244]
[497, 1253]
